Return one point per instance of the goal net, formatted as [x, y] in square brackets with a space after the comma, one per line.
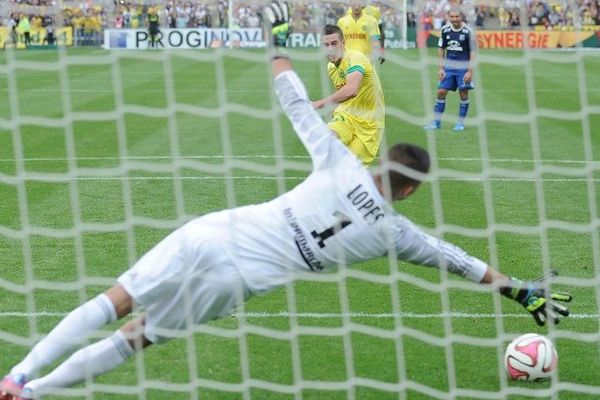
[104, 151]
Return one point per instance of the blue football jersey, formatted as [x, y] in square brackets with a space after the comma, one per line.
[458, 45]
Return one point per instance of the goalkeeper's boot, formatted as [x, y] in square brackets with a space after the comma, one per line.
[433, 126]
[11, 385]
[458, 127]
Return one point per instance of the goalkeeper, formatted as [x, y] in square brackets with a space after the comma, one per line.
[340, 214]
[359, 118]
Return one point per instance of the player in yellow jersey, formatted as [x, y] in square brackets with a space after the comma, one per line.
[374, 12]
[362, 29]
[359, 118]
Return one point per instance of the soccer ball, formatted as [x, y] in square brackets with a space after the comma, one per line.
[530, 357]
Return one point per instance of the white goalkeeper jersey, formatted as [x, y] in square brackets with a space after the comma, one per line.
[335, 217]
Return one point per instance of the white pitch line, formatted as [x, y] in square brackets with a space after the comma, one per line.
[134, 158]
[262, 177]
[285, 314]
[151, 178]
[520, 179]
[273, 156]
[259, 90]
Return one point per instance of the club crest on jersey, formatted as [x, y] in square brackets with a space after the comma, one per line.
[461, 37]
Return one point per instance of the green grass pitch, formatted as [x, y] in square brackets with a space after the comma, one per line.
[101, 158]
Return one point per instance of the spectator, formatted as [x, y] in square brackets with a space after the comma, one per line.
[426, 21]
[479, 17]
[47, 20]
[25, 28]
[503, 18]
[411, 20]
[556, 19]
[134, 18]
[253, 21]
[222, 13]
[13, 22]
[514, 20]
[587, 18]
[36, 22]
[331, 15]
[182, 19]
[49, 39]
[119, 21]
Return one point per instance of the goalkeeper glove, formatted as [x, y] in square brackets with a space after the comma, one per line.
[277, 14]
[540, 303]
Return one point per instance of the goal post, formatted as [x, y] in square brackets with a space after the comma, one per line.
[103, 152]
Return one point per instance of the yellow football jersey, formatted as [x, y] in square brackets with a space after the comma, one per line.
[359, 34]
[368, 106]
[369, 10]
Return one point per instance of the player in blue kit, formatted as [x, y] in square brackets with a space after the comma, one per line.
[456, 50]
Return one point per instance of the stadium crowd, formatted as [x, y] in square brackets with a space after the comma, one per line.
[311, 16]
[95, 15]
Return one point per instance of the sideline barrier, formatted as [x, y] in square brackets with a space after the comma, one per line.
[63, 37]
[518, 39]
[184, 38]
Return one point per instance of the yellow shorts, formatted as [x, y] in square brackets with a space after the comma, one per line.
[350, 133]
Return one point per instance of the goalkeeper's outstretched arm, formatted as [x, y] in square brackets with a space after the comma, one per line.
[320, 142]
[416, 246]
[280, 64]
[535, 296]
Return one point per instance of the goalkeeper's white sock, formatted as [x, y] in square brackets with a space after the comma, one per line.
[92, 360]
[70, 333]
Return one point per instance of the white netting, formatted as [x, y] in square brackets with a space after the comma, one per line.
[104, 151]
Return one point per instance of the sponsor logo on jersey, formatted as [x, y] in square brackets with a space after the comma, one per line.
[355, 36]
[301, 242]
[454, 45]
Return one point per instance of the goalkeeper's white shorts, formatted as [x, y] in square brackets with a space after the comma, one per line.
[186, 279]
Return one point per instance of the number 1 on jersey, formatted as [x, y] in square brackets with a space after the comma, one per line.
[341, 222]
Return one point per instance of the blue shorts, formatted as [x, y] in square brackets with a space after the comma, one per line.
[455, 80]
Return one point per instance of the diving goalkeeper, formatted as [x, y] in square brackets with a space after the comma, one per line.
[340, 214]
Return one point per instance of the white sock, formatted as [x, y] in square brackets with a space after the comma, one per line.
[92, 360]
[70, 333]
